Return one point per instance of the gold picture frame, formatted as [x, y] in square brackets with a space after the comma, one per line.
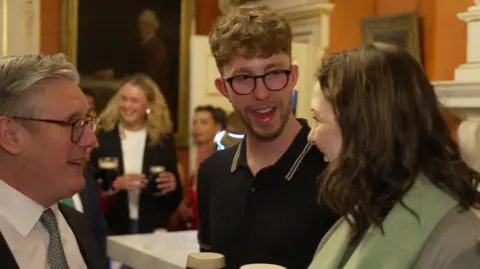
[399, 29]
[69, 41]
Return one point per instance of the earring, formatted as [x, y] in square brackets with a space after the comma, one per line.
[325, 158]
[148, 111]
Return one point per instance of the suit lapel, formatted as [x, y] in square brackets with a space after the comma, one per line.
[6, 255]
[80, 233]
[116, 146]
[147, 158]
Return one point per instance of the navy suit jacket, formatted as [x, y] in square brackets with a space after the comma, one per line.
[92, 209]
[154, 211]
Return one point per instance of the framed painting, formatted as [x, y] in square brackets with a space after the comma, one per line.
[110, 39]
[400, 29]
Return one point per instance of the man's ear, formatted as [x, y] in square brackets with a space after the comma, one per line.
[10, 136]
[222, 87]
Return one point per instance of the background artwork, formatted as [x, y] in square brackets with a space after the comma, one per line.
[401, 30]
[122, 37]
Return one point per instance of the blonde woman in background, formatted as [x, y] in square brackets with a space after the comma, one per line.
[136, 135]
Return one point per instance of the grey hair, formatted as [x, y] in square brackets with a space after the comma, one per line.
[21, 78]
[150, 16]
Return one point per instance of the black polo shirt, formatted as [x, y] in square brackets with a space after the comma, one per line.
[273, 217]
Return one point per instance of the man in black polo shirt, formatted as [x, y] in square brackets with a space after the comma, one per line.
[257, 201]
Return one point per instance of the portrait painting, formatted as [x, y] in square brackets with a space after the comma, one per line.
[109, 40]
[401, 30]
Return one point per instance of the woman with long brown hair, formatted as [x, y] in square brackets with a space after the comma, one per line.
[394, 173]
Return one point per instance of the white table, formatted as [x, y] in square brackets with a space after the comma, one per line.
[160, 250]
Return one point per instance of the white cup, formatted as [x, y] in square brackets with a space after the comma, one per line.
[206, 260]
[262, 266]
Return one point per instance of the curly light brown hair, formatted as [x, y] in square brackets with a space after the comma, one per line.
[392, 130]
[249, 31]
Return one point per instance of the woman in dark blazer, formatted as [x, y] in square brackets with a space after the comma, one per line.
[136, 133]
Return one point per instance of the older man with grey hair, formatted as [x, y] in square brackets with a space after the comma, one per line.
[44, 138]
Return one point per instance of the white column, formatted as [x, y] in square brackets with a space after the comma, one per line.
[470, 71]
[19, 27]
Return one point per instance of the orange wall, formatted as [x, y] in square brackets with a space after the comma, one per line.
[441, 31]
[205, 13]
[50, 26]
[450, 37]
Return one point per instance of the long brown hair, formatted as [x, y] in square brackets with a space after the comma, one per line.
[392, 130]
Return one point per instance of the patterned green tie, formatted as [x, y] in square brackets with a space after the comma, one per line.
[69, 202]
[56, 254]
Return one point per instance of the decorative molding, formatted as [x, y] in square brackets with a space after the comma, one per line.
[461, 97]
[470, 69]
[458, 94]
[227, 5]
[306, 11]
[298, 6]
[309, 19]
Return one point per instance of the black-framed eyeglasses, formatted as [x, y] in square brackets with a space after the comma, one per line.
[275, 80]
[77, 126]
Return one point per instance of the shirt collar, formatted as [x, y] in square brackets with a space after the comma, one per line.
[289, 161]
[146, 40]
[12, 200]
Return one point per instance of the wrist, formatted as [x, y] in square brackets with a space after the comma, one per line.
[116, 185]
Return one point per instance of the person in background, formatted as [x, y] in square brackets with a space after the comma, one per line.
[87, 201]
[137, 133]
[207, 122]
[233, 133]
[257, 200]
[395, 173]
[44, 137]
[91, 101]
[89, 204]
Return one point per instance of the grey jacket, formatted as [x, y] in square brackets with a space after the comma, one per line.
[454, 243]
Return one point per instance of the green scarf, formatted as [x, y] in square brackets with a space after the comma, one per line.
[404, 236]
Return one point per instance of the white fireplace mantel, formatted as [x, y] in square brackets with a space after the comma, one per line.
[461, 97]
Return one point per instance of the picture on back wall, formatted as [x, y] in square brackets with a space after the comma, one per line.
[111, 39]
[400, 29]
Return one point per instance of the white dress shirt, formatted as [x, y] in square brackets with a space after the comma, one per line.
[25, 235]
[133, 148]
[77, 202]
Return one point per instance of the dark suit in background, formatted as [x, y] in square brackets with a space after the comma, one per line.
[154, 211]
[92, 210]
[92, 255]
